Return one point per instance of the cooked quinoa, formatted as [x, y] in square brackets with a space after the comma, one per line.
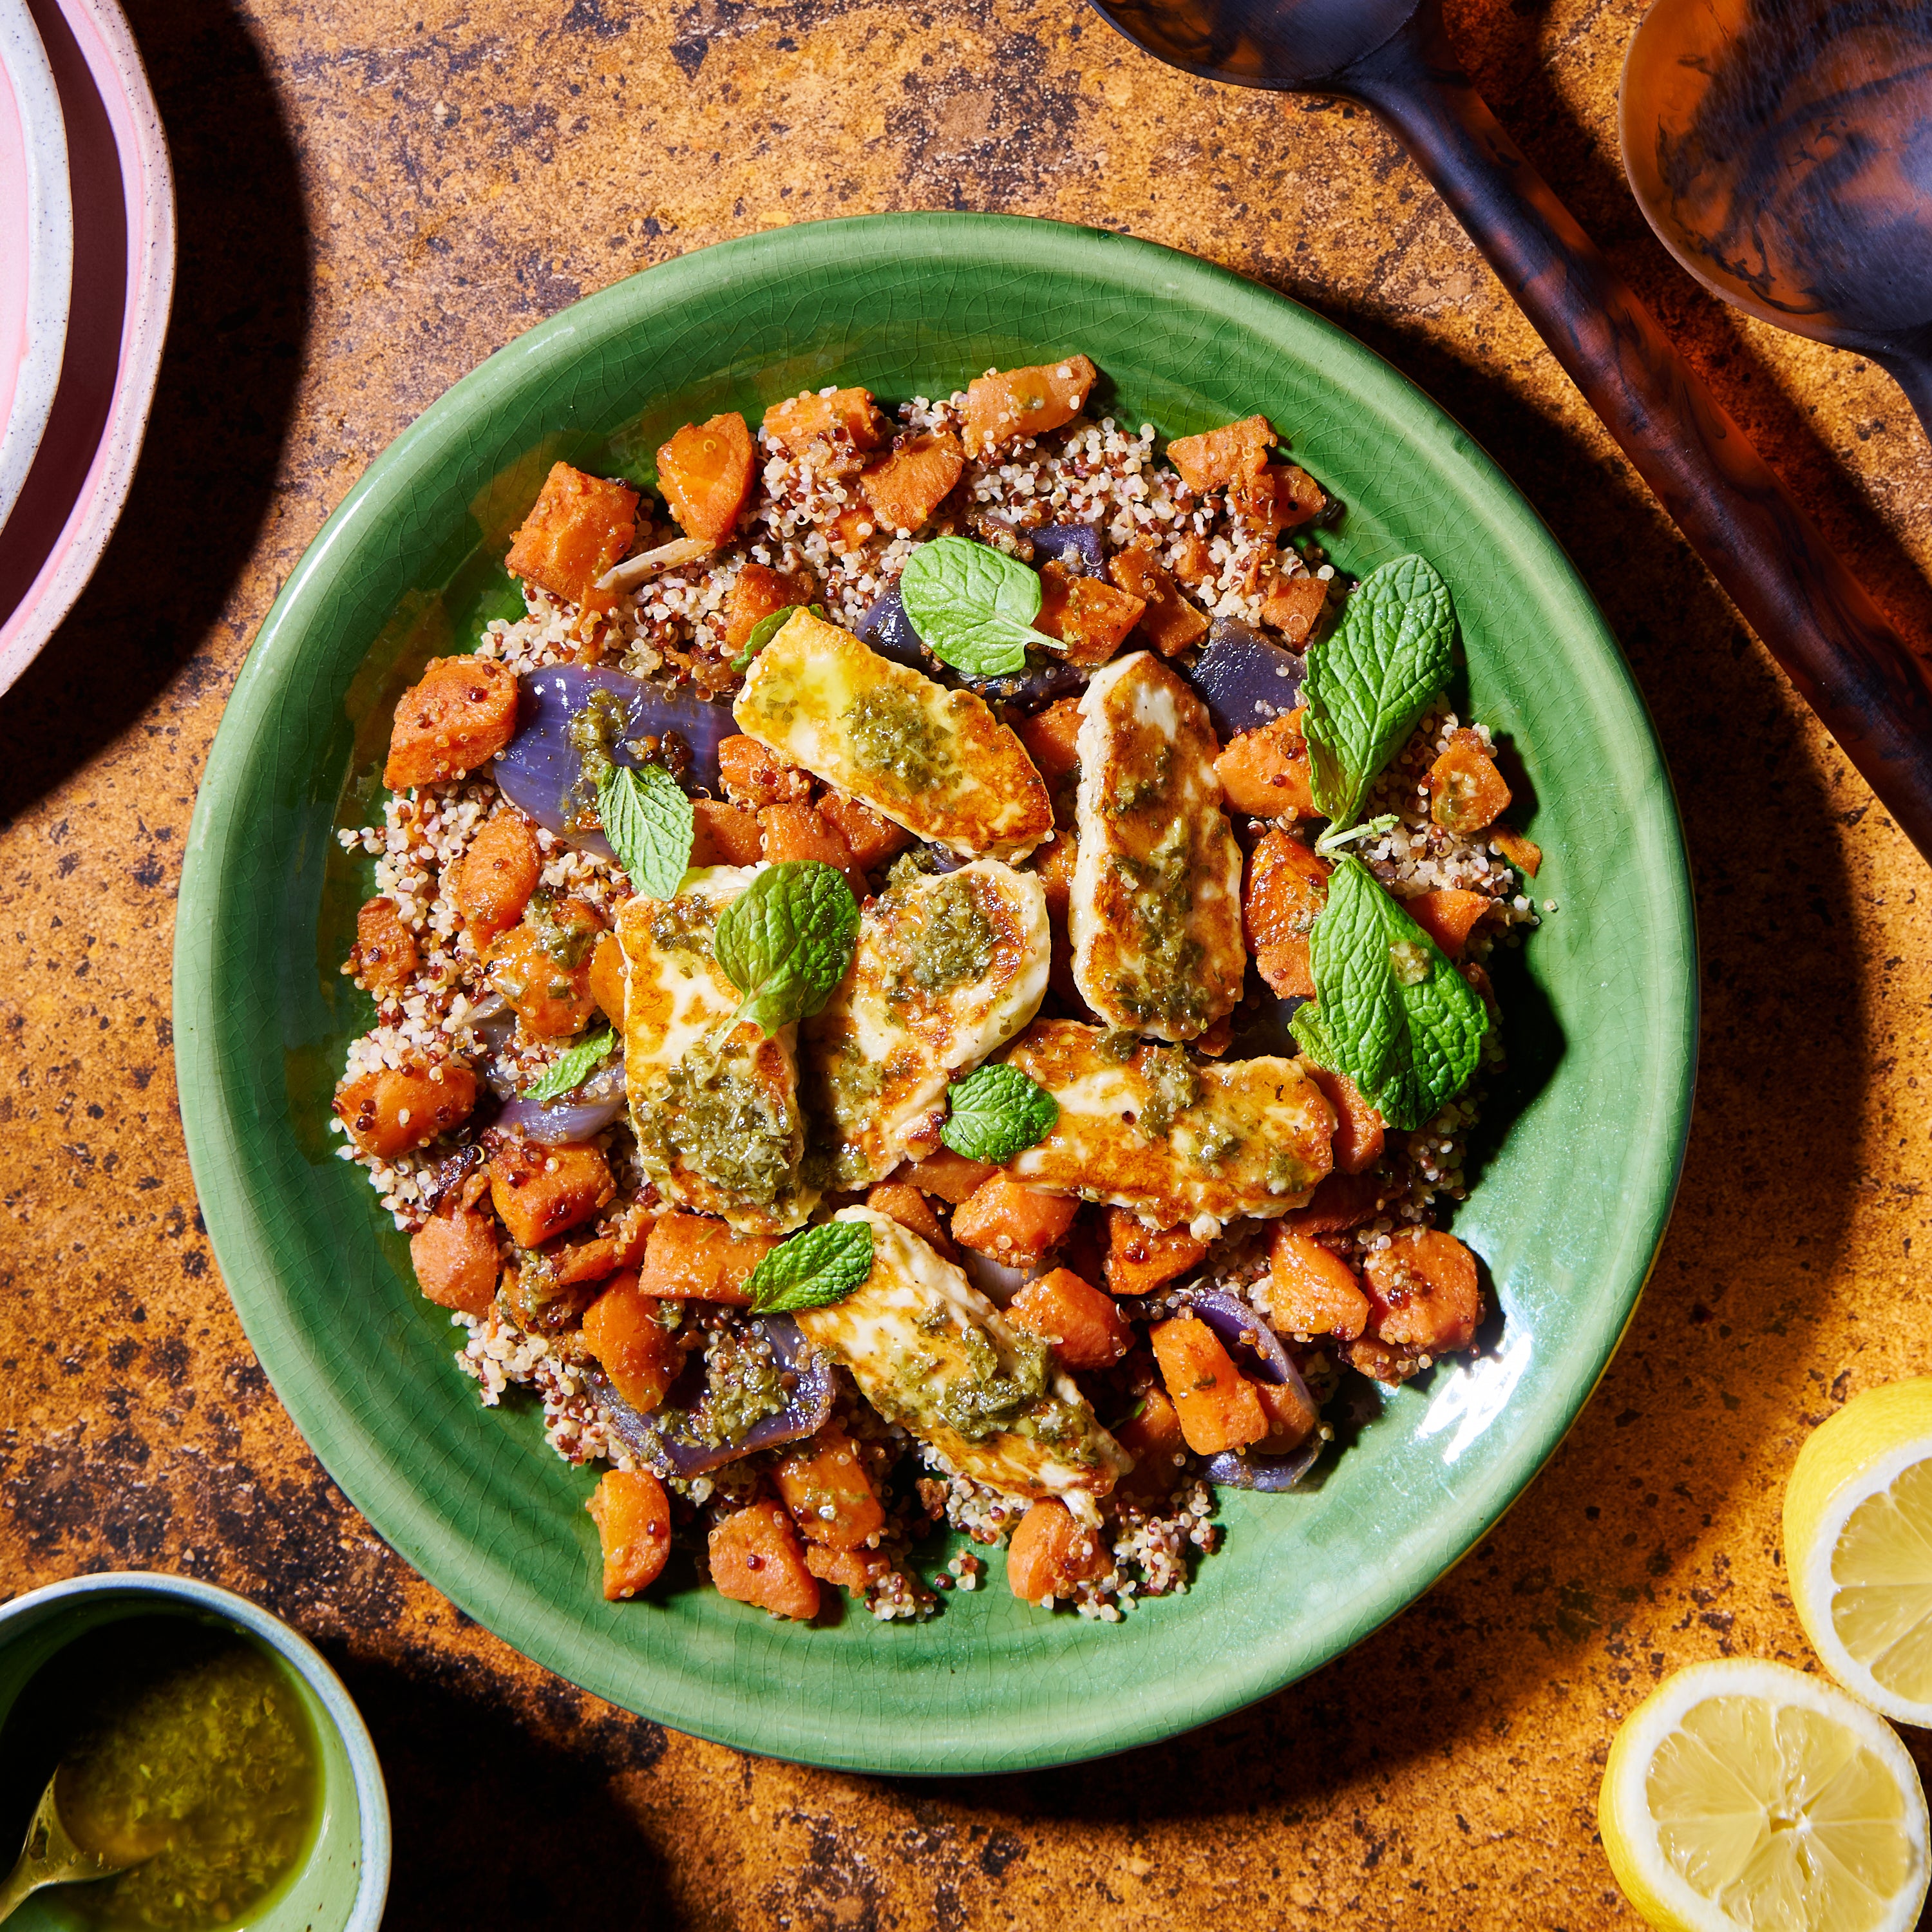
[656, 1371]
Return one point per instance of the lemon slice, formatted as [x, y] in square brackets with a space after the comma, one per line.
[1858, 1546]
[1743, 1796]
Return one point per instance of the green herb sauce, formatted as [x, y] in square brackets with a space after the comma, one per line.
[567, 942]
[183, 1747]
[712, 1117]
[891, 734]
[593, 733]
[956, 942]
[1162, 890]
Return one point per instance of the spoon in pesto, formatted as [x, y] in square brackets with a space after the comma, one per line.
[51, 1857]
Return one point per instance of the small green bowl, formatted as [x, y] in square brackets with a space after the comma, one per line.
[343, 1882]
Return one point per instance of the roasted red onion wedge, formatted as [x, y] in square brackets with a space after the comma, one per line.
[1240, 1469]
[1257, 1352]
[1246, 678]
[1077, 547]
[541, 765]
[672, 1452]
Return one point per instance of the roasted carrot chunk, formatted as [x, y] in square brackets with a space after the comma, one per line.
[1291, 1416]
[1140, 1258]
[691, 1257]
[911, 484]
[1017, 1225]
[1193, 558]
[1276, 497]
[1422, 1291]
[393, 1110]
[1448, 915]
[1081, 1323]
[870, 839]
[1287, 887]
[384, 954]
[1264, 771]
[1313, 1291]
[1217, 458]
[632, 1514]
[755, 1558]
[853, 1569]
[753, 776]
[574, 1263]
[1466, 792]
[723, 834]
[1294, 606]
[911, 1209]
[1525, 854]
[947, 1176]
[538, 1190]
[578, 528]
[606, 978]
[454, 1255]
[757, 593]
[1217, 1404]
[1152, 1437]
[633, 1348]
[1050, 1555]
[1054, 861]
[1003, 406]
[705, 472]
[1340, 1201]
[853, 526]
[542, 967]
[1051, 739]
[846, 416]
[496, 877]
[1168, 621]
[796, 832]
[463, 711]
[1359, 1130]
[1089, 617]
[825, 1485]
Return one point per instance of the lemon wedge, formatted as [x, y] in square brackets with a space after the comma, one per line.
[1743, 1796]
[1858, 1546]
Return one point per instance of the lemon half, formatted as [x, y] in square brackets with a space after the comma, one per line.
[1742, 1796]
[1858, 1546]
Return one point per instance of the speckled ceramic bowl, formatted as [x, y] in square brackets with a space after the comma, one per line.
[343, 1882]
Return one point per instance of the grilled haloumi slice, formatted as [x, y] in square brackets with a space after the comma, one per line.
[1143, 1127]
[929, 1351]
[947, 968]
[714, 1107]
[1155, 913]
[935, 761]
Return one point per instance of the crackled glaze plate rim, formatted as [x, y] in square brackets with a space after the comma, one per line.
[1568, 1212]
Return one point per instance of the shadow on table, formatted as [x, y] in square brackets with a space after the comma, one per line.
[222, 409]
[493, 1825]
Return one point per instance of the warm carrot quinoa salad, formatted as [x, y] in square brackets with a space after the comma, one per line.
[947, 989]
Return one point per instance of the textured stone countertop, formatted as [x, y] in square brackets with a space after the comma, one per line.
[372, 198]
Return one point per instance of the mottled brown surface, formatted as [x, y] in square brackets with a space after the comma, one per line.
[372, 199]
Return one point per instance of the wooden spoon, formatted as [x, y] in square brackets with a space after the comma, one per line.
[1851, 667]
[1784, 154]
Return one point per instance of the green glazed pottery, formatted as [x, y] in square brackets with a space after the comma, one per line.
[1578, 1162]
[341, 1885]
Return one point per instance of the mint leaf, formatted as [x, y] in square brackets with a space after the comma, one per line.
[765, 629]
[1370, 681]
[816, 1267]
[972, 606]
[572, 1067]
[649, 823]
[997, 1112]
[1390, 1011]
[786, 941]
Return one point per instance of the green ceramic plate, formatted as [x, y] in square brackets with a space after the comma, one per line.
[1574, 1189]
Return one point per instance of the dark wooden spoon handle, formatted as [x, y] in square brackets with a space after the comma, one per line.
[1873, 693]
